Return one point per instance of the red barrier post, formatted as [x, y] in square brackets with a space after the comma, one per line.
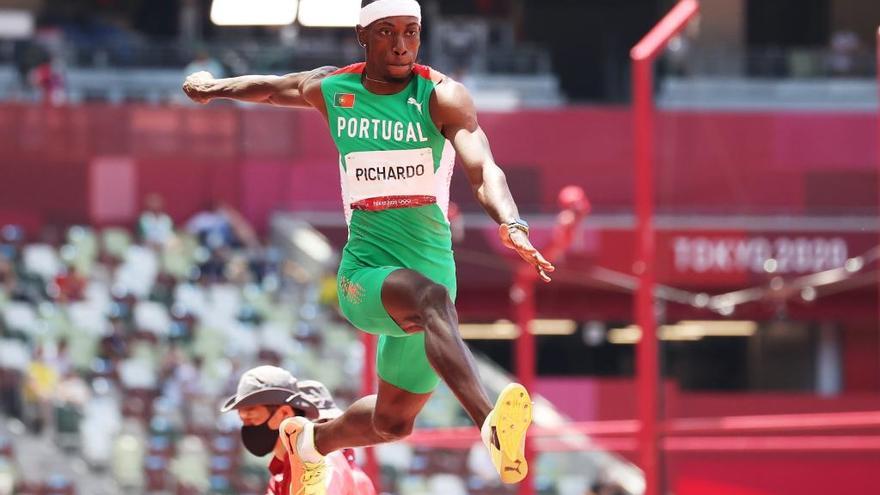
[878, 160]
[647, 360]
[522, 294]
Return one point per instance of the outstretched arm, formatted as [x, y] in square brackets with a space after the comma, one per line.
[288, 90]
[453, 109]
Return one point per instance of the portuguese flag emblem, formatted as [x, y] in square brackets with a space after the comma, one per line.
[344, 100]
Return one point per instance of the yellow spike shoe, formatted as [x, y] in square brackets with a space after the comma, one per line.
[508, 423]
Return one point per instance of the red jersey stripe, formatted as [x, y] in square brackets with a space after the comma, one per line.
[422, 70]
[351, 69]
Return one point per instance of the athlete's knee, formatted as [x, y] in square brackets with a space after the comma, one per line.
[391, 428]
[434, 296]
[436, 309]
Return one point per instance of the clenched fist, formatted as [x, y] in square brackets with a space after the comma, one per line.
[198, 86]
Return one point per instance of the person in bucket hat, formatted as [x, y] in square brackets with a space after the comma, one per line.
[268, 395]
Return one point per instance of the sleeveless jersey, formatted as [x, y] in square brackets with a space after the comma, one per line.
[395, 168]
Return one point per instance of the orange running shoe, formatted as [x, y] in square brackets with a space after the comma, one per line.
[310, 475]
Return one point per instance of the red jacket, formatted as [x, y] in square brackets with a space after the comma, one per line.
[344, 477]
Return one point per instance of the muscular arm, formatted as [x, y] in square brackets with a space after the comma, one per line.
[457, 115]
[289, 90]
[454, 113]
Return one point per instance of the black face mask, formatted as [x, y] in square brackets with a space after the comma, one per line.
[259, 439]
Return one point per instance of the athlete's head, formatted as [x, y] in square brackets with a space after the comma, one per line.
[390, 30]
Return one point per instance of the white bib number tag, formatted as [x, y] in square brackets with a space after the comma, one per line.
[373, 174]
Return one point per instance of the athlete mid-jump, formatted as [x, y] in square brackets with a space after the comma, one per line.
[396, 124]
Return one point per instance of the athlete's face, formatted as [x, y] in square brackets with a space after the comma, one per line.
[392, 46]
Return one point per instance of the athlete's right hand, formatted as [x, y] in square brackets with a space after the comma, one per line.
[197, 86]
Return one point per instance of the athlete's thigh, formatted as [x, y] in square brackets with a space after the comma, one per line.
[360, 299]
[385, 301]
[403, 363]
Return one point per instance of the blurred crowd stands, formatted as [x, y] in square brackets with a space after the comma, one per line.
[119, 348]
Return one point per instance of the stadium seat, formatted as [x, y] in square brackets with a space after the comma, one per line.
[191, 465]
[42, 260]
[21, 317]
[191, 298]
[138, 272]
[446, 484]
[97, 295]
[128, 461]
[7, 476]
[152, 316]
[115, 242]
[88, 318]
[225, 299]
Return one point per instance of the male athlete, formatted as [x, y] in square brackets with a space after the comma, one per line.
[395, 124]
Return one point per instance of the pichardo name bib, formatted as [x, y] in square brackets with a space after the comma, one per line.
[375, 174]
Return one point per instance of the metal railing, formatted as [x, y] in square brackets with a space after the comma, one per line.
[690, 59]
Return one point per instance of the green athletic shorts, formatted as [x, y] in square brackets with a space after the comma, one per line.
[400, 359]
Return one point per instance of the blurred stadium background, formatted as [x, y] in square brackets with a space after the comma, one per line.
[152, 250]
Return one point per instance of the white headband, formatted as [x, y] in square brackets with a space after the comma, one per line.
[389, 8]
